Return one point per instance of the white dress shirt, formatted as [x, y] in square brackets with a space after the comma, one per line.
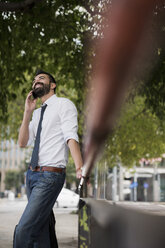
[58, 126]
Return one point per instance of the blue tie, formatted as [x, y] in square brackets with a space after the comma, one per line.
[34, 158]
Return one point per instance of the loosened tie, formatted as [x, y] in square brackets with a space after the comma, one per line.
[34, 158]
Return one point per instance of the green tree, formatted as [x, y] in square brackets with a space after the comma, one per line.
[54, 35]
[50, 35]
[139, 134]
[14, 179]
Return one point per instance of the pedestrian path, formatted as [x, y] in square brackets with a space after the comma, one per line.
[66, 223]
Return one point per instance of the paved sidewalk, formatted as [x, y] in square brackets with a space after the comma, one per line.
[66, 223]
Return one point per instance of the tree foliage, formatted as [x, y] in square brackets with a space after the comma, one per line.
[51, 36]
[14, 179]
[139, 134]
[54, 35]
[154, 88]
[153, 80]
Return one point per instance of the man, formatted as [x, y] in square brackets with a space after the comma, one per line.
[54, 128]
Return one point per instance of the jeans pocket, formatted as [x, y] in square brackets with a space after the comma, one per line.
[49, 177]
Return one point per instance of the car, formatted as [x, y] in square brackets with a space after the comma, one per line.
[67, 199]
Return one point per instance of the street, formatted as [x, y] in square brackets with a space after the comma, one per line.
[66, 223]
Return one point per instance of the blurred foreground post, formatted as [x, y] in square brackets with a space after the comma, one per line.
[125, 28]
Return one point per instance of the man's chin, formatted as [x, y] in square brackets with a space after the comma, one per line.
[37, 93]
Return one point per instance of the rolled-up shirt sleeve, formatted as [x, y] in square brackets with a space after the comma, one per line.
[68, 116]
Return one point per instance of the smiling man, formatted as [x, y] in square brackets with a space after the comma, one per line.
[53, 128]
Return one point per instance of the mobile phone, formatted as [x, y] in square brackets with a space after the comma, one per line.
[34, 94]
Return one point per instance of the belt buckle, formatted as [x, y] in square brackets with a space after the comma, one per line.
[33, 169]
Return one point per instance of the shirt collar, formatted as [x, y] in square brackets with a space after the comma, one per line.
[50, 100]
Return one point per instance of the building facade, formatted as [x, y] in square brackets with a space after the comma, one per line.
[12, 157]
[143, 183]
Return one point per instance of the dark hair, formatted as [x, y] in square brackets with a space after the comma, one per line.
[51, 78]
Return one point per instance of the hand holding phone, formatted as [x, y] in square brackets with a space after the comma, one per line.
[30, 103]
[34, 94]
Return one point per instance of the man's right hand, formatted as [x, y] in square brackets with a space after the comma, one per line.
[30, 103]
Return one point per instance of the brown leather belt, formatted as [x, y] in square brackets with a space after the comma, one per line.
[48, 168]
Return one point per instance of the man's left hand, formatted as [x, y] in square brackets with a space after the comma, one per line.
[78, 173]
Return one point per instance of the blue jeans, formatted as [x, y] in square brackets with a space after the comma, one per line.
[43, 189]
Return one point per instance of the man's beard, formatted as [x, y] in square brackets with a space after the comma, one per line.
[41, 91]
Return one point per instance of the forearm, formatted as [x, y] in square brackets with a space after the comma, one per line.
[76, 154]
[24, 129]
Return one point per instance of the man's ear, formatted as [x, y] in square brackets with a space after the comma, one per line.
[53, 86]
